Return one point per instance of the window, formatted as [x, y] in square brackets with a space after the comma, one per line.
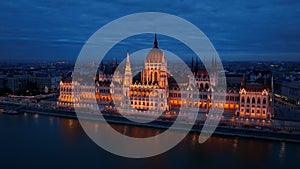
[243, 100]
[248, 100]
[206, 86]
[253, 100]
[258, 101]
[201, 86]
[264, 101]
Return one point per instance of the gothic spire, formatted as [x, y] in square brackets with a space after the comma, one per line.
[265, 80]
[192, 64]
[197, 65]
[127, 66]
[128, 75]
[63, 76]
[243, 83]
[155, 44]
[116, 62]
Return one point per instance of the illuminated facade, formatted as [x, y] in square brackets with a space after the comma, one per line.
[151, 91]
[154, 90]
[255, 101]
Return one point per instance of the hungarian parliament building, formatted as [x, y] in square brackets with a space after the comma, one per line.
[153, 89]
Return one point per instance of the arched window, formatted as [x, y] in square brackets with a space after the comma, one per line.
[206, 86]
[264, 101]
[201, 86]
[243, 100]
[248, 100]
[253, 100]
[258, 101]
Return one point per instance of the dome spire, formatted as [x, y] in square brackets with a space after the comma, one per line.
[155, 44]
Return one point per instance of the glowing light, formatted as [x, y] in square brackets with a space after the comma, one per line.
[36, 116]
[70, 123]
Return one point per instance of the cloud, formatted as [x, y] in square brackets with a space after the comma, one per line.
[232, 26]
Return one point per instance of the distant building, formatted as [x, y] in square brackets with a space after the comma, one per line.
[55, 80]
[39, 82]
[2, 81]
[288, 90]
[17, 82]
[42, 81]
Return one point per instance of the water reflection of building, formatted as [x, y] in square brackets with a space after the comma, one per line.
[154, 89]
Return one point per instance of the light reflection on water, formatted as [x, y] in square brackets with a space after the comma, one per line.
[282, 150]
[48, 138]
[235, 144]
[70, 123]
[51, 120]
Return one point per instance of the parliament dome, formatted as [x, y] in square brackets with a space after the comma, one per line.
[155, 55]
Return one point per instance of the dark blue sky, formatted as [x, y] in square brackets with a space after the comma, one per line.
[43, 30]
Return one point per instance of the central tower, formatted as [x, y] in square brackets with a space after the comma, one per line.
[155, 68]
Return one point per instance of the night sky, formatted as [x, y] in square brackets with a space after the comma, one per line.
[48, 30]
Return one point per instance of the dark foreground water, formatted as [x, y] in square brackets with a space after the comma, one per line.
[36, 141]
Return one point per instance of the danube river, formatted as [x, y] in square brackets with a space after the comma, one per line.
[38, 141]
